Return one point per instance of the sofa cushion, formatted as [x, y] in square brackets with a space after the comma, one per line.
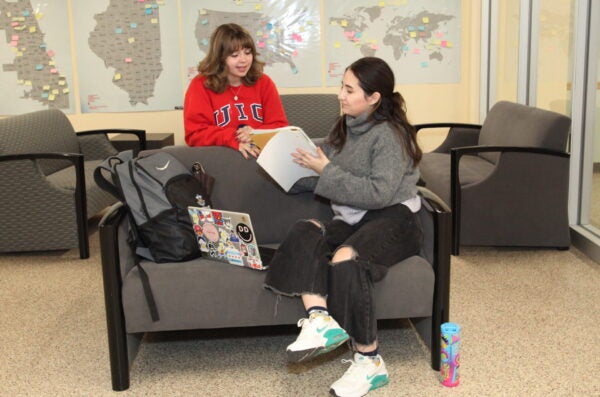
[241, 185]
[435, 171]
[208, 294]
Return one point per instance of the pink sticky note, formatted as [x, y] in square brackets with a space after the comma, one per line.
[15, 37]
[128, 60]
[54, 70]
[261, 44]
[14, 43]
[349, 34]
[14, 24]
[51, 53]
[444, 43]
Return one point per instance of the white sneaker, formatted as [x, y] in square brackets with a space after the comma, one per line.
[365, 374]
[320, 334]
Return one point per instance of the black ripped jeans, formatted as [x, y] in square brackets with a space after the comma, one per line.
[302, 264]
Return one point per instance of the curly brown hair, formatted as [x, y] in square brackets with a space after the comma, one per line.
[224, 41]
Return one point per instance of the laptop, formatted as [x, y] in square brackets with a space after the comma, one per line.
[229, 237]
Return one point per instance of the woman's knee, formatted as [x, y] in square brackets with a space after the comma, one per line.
[343, 253]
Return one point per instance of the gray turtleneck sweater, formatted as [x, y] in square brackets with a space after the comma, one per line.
[372, 171]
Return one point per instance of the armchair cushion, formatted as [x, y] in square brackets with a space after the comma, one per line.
[472, 170]
[513, 124]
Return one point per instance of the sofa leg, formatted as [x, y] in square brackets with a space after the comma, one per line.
[115, 319]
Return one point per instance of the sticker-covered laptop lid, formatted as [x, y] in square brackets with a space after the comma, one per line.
[226, 236]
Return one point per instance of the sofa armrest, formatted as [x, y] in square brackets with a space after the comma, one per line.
[112, 281]
[441, 247]
[459, 134]
[95, 145]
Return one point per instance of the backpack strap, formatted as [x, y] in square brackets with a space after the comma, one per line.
[133, 239]
[109, 165]
[148, 291]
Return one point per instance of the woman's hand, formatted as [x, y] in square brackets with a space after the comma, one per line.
[315, 162]
[244, 134]
[249, 149]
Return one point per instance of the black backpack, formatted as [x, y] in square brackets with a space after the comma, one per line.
[157, 190]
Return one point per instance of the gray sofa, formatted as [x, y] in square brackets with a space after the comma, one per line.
[204, 294]
[46, 181]
[314, 113]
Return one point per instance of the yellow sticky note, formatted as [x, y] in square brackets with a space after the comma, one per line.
[425, 19]
[51, 63]
[46, 88]
[55, 91]
[154, 20]
[344, 23]
[27, 82]
[413, 34]
[61, 82]
[51, 97]
[131, 40]
[337, 44]
[117, 76]
[39, 16]
[258, 7]
[202, 12]
[19, 53]
[65, 90]
[32, 29]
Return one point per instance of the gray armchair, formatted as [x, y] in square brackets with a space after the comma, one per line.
[46, 181]
[507, 180]
[314, 113]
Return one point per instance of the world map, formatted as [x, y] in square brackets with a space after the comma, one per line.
[420, 36]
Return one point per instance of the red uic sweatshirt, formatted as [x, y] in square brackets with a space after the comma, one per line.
[211, 119]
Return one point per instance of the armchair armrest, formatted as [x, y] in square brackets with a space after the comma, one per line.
[459, 134]
[455, 188]
[80, 194]
[96, 148]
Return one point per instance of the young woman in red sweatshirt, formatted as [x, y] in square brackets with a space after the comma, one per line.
[231, 95]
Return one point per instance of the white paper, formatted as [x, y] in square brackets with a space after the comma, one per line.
[276, 157]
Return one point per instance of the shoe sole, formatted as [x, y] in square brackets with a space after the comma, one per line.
[309, 354]
[374, 386]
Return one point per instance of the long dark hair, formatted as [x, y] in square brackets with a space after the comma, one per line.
[224, 41]
[375, 75]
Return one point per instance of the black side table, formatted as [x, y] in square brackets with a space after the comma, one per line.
[153, 141]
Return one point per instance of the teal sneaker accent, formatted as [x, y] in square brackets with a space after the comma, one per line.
[378, 381]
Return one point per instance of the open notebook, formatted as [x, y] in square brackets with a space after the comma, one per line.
[229, 237]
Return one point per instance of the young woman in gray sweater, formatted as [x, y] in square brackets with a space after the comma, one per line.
[368, 170]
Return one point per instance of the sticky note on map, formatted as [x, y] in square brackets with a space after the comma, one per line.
[425, 19]
[117, 76]
[131, 40]
[154, 20]
[32, 29]
[128, 60]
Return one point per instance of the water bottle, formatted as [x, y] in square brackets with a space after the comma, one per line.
[450, 355]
